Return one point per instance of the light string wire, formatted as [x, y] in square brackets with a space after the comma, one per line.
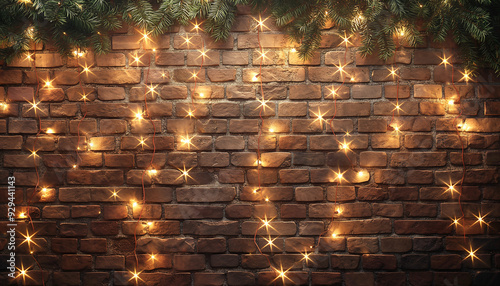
[335, 96]
[259, 135]
[35, 161]
[462, 148]
[143, 187]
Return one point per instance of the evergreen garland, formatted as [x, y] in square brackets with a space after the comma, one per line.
[79, 24]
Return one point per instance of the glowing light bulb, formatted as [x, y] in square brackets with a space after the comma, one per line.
[44, 190]
[152, 171]
[361, 173]
[115, 194]
[22, 215]
[134, 203]
[202, 95]
[150, 223]
[74, 166]
[445, 60]
[255, 78]
[340, 176]
[338, 210]
[49, 131]
[254, 191]
[85, 69]
[267, 199]
[306, 256]
[451, 102]
[271, 130]
[334, 235]
[153, 257]
[465, 76]
[138, 116]
[293, 50]
[48, 83]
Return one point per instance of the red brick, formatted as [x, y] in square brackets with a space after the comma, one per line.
[111, 60]
[235, 58]
[327, 74]
[113, 77]
[274, 75]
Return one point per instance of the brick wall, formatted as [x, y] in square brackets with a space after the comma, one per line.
[396, 221]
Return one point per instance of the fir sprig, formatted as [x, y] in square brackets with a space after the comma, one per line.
[67, 24]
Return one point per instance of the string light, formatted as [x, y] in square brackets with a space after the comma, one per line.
[306, 256]
[194, 75]
[139, 115]
[33, 153]
[293, 50]
[263, 104]
[255, 77]
[262, 56]
[23, 273]
[480, 220]
[152, 89]
[29, 56]
[334, 235]
[86, 69]
[135, 276]
[445, 60]
[48, 83]
[196, 26]
[187, 40]
[145, 35]
[266, 223]
[270, 242]
[74, 166]
[152, 172]
[28, 239]
[456, 222]
[261, 23]
[271, 130]
[341, 70]
[187, 140]
[203, 54]
[34, 106]
[142, 142]
[393, 72]
[451, 188]
[339, 176]
[282, 274]
[345, 40]
[49, 131]
[465, 76]
[136, 60]
[134, 203]
[471, 253]
[344, 146]
[185, 173]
